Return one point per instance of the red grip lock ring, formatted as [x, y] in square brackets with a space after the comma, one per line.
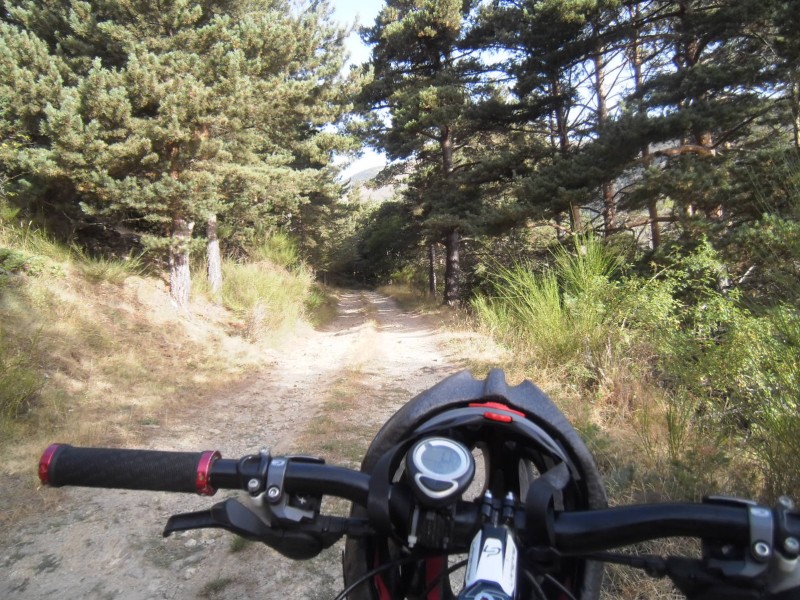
[45, 461]
[203, 478]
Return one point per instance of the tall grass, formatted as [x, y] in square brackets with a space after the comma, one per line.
[557, 315]
[277, 248]
[270, 292]
[268, 298]
[704, 384]
[108, 269]
[20, 378]
[27, 249]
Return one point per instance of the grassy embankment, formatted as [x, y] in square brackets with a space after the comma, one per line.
[678, 388]
[92, 351]
[681, 388]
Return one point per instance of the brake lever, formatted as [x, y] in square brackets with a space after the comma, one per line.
[230, 515]
[300, 542]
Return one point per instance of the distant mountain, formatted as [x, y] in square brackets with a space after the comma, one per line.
[360, 182]
[365, 175]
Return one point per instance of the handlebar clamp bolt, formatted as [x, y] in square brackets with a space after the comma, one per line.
[761, 551]
[273, 493]
[792, 546]
[253, 485]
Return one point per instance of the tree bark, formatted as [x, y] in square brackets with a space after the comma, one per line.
[213, 256]
[452, 270]
[637, 62]
[432, 269]
[180, 280]
[796, 112]
[562, 133]
[655, 229]
[575, 218]
[609, 200]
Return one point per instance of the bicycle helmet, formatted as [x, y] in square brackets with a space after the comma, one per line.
[509, 459]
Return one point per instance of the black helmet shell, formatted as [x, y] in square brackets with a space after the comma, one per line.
[457, 391]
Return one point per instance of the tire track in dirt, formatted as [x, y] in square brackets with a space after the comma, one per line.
[106, 544]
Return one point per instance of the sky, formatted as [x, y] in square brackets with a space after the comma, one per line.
[362, 12]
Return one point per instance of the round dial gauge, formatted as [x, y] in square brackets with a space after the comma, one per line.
[440, 469]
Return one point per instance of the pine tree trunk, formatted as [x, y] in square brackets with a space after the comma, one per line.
[562, 133]
[213, 256]
[432, 269]
[796, 112]
[609, 209]
[609, 200]
[575, 218]
[638, 77]
[655, 230]
[180, 280]
[452, 270]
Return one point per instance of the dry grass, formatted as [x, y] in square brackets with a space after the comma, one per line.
[338, 431]
[411, 299]
[115, 360]
[623, 583]
[649, 446]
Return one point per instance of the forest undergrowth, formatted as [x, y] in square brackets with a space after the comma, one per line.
[679, 387]
[94, 350]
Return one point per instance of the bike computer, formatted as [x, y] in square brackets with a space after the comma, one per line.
[440, 469]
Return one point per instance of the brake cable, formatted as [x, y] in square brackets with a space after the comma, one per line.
[552, 580]
[449, 571]
[397, 562]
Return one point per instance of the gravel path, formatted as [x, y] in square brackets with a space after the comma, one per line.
[107, 544]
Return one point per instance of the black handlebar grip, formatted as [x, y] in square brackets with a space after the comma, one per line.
[62, 464]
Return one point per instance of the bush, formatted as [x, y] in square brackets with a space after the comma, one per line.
[19, 378]
[269, 298]
[276, 248]
[775, 404]
[722, 379]
[561, 314]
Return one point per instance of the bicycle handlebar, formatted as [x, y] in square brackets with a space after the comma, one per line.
[578, 532]
[152, 470]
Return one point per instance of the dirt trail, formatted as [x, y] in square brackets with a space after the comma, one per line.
[107, 544]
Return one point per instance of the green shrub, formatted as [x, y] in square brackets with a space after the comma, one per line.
[740, 369]
[558, 315]
[724, 378]
[775, 404]
[276, 248]
[20, 380]
[269, 299]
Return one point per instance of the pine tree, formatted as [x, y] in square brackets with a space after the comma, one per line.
[701, 116]
[549, 45]
[421, 79]
[170, 114]
[787, 46]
